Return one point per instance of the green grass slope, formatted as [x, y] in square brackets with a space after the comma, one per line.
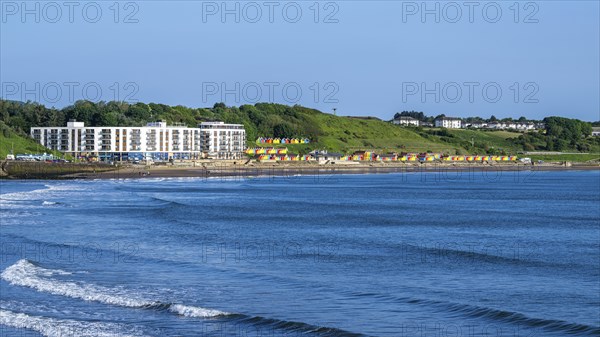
[21, 144]
[346, 134]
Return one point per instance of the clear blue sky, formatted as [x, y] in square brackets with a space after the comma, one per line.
[373, 61]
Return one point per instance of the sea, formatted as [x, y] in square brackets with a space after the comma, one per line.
[432, 253]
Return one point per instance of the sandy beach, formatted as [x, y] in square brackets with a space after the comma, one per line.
[212, 169]
[289, 170]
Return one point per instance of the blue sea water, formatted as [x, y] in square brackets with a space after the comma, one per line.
[399, 254]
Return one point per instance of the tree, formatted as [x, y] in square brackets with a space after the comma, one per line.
[563, 133]
[283, 130]
[138, 112]
[493, 119]
[414, 114]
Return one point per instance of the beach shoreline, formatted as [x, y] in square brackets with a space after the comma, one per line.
[278, 170]
[217, 169]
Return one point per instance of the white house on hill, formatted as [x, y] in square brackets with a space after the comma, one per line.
[406, 121]
[448, 122]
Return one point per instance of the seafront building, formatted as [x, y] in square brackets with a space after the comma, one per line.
[157, 141]
[223, 141]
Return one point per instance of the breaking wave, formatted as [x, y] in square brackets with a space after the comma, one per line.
[26, 274]
[52, 327]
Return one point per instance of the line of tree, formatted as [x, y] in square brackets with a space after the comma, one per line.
[262, 119]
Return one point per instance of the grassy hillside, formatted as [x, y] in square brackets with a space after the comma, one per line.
[346, 134]
[21, 144]
[479, 141]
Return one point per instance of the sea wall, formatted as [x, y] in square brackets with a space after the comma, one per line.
[41, 170]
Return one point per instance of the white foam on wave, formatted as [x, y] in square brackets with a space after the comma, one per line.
[29, 195]
[190, 311]
[21, 199]
[17, 199]
[21, 196]
[52, 327]
[26, 274]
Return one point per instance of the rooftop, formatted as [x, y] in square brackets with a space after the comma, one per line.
[163, 124]
[219, 125]
[449, 119]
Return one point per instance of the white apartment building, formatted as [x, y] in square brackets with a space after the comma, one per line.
[223, 141]
[448, 122]
[157, 140]
[406, 121]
